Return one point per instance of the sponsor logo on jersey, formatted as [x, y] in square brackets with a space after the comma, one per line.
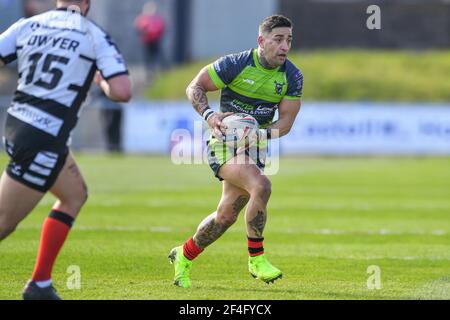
[279, 87]
[37, 118]
[299, 80]
[34, 26]
[217, 67]
[17, 170]
[119, 59]
[240, 106]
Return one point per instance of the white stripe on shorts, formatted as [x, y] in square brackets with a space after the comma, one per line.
[41, 170]
[45, 160]
[35, 180]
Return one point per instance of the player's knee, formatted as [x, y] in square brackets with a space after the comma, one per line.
[262, 190]
[232, 209]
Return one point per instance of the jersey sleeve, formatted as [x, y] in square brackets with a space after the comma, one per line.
[227, 68]
[8, 43]
[295, 83]
[109, 60]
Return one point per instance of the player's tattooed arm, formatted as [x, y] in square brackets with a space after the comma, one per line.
[197, 89]
[196, 93]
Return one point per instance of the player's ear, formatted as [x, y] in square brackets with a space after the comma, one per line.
[261, 41]
[88, 7]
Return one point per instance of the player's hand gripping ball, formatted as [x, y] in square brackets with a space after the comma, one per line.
[241, 130]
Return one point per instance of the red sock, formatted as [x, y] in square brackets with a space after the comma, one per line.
[255, 247]
[54, 233]
[190, 249]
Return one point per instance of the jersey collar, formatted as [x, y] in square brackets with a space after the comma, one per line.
[65, 9]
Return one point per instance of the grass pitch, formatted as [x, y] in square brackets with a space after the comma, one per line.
[329, 220]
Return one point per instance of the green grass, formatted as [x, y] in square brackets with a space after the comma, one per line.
[329, 220]
[346, 75]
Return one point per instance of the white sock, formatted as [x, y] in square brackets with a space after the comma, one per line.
[44, 284]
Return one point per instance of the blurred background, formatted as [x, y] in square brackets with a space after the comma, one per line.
[382, 91]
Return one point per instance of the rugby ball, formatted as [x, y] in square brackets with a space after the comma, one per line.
[240, 129]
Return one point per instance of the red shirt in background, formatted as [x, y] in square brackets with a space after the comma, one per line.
[151, 28]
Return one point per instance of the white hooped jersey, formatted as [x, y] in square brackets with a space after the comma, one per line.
[58, 53]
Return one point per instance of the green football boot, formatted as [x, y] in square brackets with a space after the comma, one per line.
[260, 268]
[182, 267]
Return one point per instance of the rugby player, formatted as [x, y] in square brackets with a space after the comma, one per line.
[257, 82]
[59, 53]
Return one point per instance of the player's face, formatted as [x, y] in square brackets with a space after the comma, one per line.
[276, 45]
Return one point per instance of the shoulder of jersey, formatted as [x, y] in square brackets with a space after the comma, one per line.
[94, 26]
[241, 57]
[246, 54]
[292, 69]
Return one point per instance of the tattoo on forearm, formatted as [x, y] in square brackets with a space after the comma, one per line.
[198, 98]
[239, 204]
[258, 223]
[209, 231]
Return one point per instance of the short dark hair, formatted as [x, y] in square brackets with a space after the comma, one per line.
[275, 21]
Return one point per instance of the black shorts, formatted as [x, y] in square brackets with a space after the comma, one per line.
[35, 168]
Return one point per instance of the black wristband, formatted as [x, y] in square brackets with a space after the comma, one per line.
[207, 113]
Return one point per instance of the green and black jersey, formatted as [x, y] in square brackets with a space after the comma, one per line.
[247, 87]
